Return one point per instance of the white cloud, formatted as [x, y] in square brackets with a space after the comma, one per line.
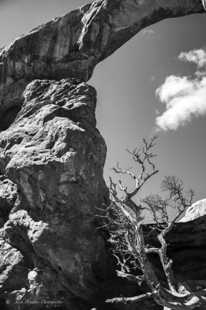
[184, 97]
[196, 56]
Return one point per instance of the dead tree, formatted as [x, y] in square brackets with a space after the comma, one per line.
[124, 220]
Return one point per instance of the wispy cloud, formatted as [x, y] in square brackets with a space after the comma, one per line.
[184, 97]
[148, 33]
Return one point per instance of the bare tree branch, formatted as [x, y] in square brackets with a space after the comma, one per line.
[127, 300]
[124, 218]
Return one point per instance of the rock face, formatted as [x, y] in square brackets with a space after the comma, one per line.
[8, 196]
[52, 252]
[196, 210]
[72, 45]
[55, 154]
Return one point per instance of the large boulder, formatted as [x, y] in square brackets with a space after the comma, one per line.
[55, 156]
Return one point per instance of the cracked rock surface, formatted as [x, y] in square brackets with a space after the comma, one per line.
[55, 156]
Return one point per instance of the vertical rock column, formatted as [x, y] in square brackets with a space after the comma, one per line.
[54, 155]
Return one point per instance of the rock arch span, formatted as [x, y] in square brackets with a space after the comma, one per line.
[52, 155]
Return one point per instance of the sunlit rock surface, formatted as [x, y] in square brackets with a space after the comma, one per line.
[55, 156]
[196, 210]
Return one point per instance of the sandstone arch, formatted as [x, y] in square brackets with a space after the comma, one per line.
[72, 45]
[54, 155]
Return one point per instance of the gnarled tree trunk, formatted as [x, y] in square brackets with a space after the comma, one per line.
[53, 154]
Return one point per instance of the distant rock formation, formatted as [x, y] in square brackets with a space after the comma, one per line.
[196, 210]
[52, 252]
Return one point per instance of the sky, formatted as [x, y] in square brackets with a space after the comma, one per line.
[156, 83]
